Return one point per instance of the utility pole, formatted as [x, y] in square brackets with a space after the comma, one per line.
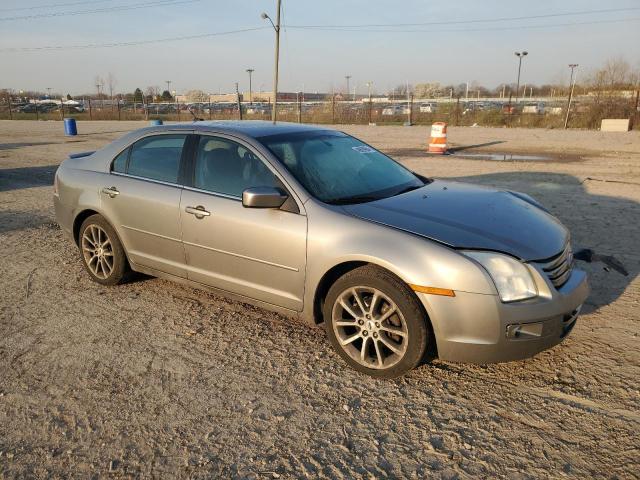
[239, 102]
[250, 71]
[168, 82]
[572, 84]
[520, 56]
[276, 27]
[347, 77]
[370, 84]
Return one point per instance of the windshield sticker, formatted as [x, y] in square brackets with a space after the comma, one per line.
[363, 149]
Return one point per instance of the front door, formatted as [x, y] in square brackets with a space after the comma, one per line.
[257, 253]
[141, 198]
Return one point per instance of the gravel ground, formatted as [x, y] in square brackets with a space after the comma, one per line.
[154, 379]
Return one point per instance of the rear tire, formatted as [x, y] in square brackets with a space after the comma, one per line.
[376, 323]
[101, 251]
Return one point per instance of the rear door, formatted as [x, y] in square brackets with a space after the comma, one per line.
[258, 253]
[142, 201]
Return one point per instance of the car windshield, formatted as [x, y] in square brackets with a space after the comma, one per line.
[339, 169]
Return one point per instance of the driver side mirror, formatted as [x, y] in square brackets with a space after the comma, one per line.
[263, 197]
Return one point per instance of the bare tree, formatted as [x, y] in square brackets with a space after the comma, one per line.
[98, 81]
[111, 84]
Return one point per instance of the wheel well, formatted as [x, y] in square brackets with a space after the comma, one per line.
[327, 280]
[336, 272]
[77, 223]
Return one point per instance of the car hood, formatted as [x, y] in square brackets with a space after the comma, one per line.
[469, 216]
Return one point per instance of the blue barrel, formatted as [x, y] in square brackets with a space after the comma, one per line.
[155, 123]
[70, 127]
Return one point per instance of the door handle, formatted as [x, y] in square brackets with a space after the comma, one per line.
[111, 191]
[198, 211]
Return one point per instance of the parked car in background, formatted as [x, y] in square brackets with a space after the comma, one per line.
[428, 107]
[396, 110]
[313, 223]
[533, 107]
[259, 109]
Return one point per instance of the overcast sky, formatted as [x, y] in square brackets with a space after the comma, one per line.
[315, 60]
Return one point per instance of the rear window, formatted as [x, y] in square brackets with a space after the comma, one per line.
[157, 158]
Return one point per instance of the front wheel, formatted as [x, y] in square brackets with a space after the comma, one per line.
[376, 323]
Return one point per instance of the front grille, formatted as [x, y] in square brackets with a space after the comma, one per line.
[558, 268]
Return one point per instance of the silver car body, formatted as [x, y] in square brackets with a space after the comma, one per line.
[286, 261]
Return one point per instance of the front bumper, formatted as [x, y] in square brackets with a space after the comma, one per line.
[479, 328]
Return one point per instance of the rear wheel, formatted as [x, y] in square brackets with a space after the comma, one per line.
[101, 251]
[376, 323]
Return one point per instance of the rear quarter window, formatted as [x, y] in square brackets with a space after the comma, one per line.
[157, 158]
[119, 164]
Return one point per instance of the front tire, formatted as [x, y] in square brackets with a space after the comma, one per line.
[375, 323]
[101, 251]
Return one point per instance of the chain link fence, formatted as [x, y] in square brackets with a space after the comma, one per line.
[585, 113]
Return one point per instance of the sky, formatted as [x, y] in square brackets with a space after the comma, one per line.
[433, 48]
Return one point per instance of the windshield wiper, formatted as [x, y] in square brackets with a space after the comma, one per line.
[407, 189]
[353, 199]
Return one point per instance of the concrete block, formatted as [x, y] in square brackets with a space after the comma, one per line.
[614, 125]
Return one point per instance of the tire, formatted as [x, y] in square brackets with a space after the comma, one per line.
[101, 251]
[394, 344]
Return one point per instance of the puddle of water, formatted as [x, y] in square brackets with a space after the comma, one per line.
[506, 157]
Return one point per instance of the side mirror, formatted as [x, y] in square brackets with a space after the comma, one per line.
[263, 197]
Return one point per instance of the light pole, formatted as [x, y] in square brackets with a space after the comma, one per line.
[370, 84]
[276, 27]
[250, 71]
[572, 85]
[347, 77]
[49, 92]
[520, 56]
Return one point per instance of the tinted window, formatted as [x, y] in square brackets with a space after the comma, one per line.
[337, 168]
[120, 162]
[157, 158]
[223, 166]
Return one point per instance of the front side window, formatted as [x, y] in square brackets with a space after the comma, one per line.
[157, 157]
[339, 169]
[226, 167]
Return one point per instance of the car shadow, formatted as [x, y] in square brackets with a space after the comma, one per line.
[13, 146]
[26, 177]
[423, 152]
[13, 220]
[478, 145]
[607, 225]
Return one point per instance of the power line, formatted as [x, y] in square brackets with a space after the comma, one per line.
[461, 30]
[156, 3]
[53, 5]
[128, 44]
[483, 20]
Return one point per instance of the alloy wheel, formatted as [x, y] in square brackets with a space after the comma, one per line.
[97, 251]
[370, 327]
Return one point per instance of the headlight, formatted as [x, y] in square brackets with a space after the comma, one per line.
[512, 278]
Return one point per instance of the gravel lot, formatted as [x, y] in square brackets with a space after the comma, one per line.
[154, 379]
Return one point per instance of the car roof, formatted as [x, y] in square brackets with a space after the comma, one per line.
[254, 128]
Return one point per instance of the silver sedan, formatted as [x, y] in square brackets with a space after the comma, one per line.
[315, 224]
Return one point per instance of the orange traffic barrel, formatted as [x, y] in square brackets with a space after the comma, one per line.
[438, 140]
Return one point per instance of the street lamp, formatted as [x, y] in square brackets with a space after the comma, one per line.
[369, 85]
[250, 71]
[276, 28]
[572, 84]
[520, 56]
